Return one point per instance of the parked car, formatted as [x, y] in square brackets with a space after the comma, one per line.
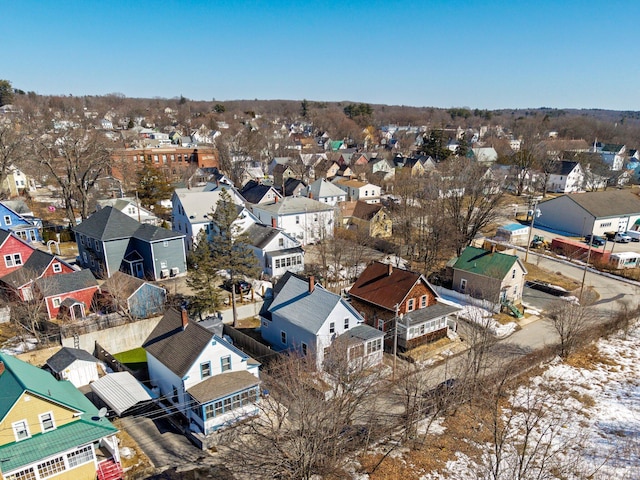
[635, 236]
[622, 237]
[242, 286]
[595, 240]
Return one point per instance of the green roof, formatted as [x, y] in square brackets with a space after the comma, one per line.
[19, 377]
[483, 262]
[43, 445]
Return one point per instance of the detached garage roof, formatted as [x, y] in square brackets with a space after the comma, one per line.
[120, 391]
[610, 203]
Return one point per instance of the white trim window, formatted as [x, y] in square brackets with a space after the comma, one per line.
[57, 267]
[21, 430]
[7, 220]
[13, 260]
[56, 302]
[411, 303]
[46, 422]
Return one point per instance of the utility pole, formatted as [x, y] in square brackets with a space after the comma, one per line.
[395, 342]
[586, 265]
[534, 214]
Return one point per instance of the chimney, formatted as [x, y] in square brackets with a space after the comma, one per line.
[312, 283]
[493, 248]
[1, 367]
[185, 319]
[311, 195]
[274, 222]
[389, 269]
[275, 200]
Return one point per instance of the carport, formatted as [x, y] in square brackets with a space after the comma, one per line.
[120, 391]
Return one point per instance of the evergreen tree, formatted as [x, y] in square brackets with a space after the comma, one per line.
[153, 185]
[202, 278]
[6, 92]
[230, 249]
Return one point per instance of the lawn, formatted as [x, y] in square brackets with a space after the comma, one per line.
[134, 359]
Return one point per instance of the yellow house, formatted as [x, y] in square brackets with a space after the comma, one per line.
[372, 217]
[15, 183]
[51, 430]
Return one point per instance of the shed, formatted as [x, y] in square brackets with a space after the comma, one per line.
[120, 391]
[125, 293]
[75, 365]
[514, 233]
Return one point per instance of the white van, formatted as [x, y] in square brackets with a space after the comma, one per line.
[635, 236]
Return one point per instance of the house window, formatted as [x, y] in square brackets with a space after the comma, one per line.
[13, 260]
[80, 456]
[81, 239]
[277, 263]
[57, 268]
[374, 346]
[225, 363]
[164, 158]
[357, 351]
[283, 337]
[463, 284]
[131, 210]
[174, 395]
[297, 219]
[281, 242]
[423, 301]
[346, 324]
[288, 261]
[381, 325]
[51, 467]
[56, 302]
[304, 349]
[26, 474]
[156, 159]
[165, 243]
[410, 305]
[205, 370]
[332, 327]
[46, 422]
[513, 274]
[163, 264]
[7, 220]
[21, 430]
[97, 246]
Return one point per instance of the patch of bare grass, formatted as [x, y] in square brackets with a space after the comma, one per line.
[536, 273]
[589, 358]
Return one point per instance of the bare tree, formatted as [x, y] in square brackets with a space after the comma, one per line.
[75, 158]
[310, 421]
[12, 148]
[570, 320]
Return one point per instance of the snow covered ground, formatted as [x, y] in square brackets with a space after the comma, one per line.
[583, 422]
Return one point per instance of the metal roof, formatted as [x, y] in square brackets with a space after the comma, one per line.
[609, 203]
[484, 262]
[120, 391]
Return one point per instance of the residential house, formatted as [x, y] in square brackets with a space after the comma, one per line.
[132, 296]
[255, 192]
[23, 227]
[357, 190]
[68, 295]
[192, 208]
[612, 154]
[371, 218]
[580, 214]
[18, 283]
[277, 251]
[294, 187]
[50, 428]
[14, 250]
[382, 169]
[325, 192]
[306, 318]
[77, 366]
[281, 173]
[387, 296]
[566, 177]
[209, 381]
[484, 154]
[326, 168]
[109, 241]
[303, 218]
[489, 274]
[130, 207]
[16, 182]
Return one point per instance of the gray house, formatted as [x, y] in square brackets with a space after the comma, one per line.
[130, 295]
[110, 241]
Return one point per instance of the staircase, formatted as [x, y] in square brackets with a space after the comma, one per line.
[513, 309]
[109, 470]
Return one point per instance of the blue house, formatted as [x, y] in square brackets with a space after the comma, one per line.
[12, 221]
[132, 296]
[110, 241]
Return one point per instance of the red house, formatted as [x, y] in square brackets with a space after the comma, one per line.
[39, 264]
[388, 296]
[68, 295]
[14, 251]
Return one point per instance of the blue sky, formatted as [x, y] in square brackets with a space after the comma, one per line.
[479, 54]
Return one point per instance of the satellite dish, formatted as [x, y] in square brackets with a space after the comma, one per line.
[102, 412]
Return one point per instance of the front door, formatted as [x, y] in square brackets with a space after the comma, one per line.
[138, 269]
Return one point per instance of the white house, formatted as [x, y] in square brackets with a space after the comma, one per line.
[208, 380]
[567, 177]
[192, 207]
[277, 251]
[305, 317]
[130, 207]
[357, 190]
[325, 192]
[303, 218]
